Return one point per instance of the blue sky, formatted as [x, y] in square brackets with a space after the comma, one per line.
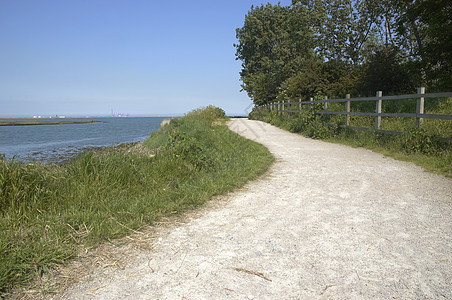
[136, 57]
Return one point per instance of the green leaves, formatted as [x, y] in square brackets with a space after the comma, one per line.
[343, 47]
[273, 45]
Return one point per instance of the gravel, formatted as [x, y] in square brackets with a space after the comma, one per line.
[327, 221]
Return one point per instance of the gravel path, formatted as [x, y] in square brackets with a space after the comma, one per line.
[328, 221]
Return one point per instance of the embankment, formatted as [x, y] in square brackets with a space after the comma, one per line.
[48, 213]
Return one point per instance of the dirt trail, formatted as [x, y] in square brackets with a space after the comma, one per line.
[328, 221]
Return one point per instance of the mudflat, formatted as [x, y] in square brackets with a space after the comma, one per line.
[327, 221]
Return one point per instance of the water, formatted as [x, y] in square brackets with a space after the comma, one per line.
[51, 143]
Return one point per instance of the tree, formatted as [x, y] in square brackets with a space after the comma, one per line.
[274, 43]
[384, 72]
[306, 82]
[345, 46]
[346, 34]
[342, 27]
[427, 30]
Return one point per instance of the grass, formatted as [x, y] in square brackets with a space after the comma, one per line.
[420, 146]
[47, 212]
[35, 122]
[434, 158]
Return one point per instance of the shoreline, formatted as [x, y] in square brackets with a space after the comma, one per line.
[65, 155]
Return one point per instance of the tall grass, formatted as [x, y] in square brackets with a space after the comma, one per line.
[421, 146]
[48, 211]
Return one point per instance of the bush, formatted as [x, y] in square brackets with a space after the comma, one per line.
[418, 141]
[317, 129]
[206, 115]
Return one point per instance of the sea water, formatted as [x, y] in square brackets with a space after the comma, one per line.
[48, 143]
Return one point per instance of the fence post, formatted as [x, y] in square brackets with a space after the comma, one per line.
[420, 107]
[299, 107]
[347, 110]
[279, 107]
[325, 108]
[310, 105]
[378, 110]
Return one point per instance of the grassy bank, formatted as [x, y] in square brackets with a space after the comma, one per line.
[423, 147]
[48, 211]
[36, 122]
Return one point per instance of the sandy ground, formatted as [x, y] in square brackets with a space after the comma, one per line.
[327, 221]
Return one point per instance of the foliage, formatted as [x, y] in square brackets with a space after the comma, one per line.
[421, 146]
[47, 212]
[342, 27]
[207, 115]
[274, 44]
[308, 123]
[426, 29]
[384, 72]
[419, 141]
[345, 47]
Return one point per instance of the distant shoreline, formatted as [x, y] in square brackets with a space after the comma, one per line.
[35, 122]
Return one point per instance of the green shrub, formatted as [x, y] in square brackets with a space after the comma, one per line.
[297, 125]
[418, 141]
[317, 129]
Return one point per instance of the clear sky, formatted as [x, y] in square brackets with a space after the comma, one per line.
[136, 57]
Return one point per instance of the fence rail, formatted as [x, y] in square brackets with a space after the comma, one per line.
[419, 115]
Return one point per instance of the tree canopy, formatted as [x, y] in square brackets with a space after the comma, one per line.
[344, 46]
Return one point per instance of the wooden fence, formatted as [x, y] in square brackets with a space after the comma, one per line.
[287, 107]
